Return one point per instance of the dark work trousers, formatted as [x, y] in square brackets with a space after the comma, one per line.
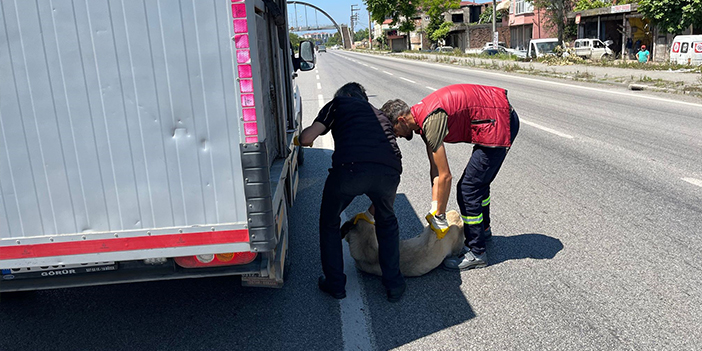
[344, 183]
[474, 189]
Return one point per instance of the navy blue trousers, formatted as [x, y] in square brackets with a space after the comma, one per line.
[474, 189]
[344, 183]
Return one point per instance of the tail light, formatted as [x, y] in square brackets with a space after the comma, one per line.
[212, 260]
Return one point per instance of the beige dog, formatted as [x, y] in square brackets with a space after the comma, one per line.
[418, 255]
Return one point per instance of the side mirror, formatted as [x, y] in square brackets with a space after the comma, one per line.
[307, 57]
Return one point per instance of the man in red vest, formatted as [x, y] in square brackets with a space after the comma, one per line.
[461, 113]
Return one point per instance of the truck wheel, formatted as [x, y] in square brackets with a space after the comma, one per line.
[301, 156]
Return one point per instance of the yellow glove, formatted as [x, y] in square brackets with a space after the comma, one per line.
[296, 141]
[366, 216]
[440, 226]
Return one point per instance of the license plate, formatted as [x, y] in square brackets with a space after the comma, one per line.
[57, 271]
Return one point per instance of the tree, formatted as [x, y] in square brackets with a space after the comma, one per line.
[441, 33]
[400, 11]
[334, 39]
[556, 13]
[672, 16]
[435, 10]
[486, 16]
[361, 35]
[591, 4]
[295, 40]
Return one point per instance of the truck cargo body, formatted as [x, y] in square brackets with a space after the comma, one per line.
[136, 132]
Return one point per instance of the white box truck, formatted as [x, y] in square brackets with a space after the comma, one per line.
[146, 140]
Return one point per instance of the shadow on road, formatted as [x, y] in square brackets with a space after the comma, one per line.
[516, 247]
[211, 313]
[433, 302]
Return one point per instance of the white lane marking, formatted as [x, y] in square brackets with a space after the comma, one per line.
[365, 64]
[430, 88]
[547, 129]
[694, 181]
[320, 98]
[409, 80]
[375, 68]
[640, 96]
[316, 71]
[318, 77]
[319, 86]
[386, 72]
[355, 322]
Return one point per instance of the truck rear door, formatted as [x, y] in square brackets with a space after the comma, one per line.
[121, 126]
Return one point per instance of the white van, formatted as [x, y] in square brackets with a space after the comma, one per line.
[686, 50]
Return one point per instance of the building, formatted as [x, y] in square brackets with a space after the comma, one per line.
[467, 33]
[525, 23]
[396, 41]
[624, 26]
[317, 37]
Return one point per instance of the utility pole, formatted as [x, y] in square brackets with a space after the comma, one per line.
[354, 17]
[494, 24]
[370, 36]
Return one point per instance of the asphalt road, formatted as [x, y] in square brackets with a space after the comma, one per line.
[596, 219]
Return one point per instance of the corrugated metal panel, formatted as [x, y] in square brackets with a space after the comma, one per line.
[117, 115]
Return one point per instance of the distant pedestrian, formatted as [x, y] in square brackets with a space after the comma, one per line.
[643, 55]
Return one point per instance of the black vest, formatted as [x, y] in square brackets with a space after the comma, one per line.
[361, 133]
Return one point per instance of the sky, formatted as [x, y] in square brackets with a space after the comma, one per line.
[340, 10]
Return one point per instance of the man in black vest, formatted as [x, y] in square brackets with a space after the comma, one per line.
[366, 160]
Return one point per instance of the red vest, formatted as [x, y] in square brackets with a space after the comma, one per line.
[477, 114]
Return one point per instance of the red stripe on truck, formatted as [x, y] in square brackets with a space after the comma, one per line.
[124, 244]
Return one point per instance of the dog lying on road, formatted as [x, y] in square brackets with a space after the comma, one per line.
[418, 255]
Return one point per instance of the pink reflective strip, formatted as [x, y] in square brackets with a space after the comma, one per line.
[246, 86]
[250, 128]
[253, 139]
[239, 10]
[245, 71]
[243, 56]
[249, 114]
[241, 41]
[247, 100]
[240, 26]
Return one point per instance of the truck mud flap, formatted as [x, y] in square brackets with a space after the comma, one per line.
[272, 271]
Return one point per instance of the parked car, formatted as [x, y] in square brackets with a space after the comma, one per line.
[491, 51]
[489, 45]
[686, 50]
[594, 49]
[444, 49]
[541, 47]
[321, 48]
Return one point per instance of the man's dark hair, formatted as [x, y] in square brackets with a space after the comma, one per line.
[395, 108]
[352, 89]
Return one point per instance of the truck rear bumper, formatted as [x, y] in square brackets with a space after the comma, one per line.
[129, 272]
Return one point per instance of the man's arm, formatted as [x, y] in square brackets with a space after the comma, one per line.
[440, 174]
[311, 133]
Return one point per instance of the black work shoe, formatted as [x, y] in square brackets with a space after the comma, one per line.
[322, 283]
[395, 294]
